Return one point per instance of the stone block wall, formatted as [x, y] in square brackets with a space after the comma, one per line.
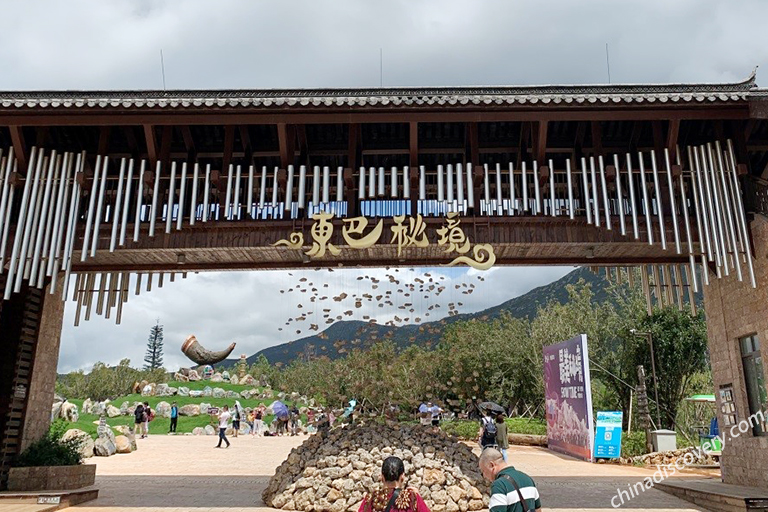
[43, 381]
[734, 310]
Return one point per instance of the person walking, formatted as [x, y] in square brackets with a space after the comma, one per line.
[294, 420]
[502, 436]
[174, 417]
[138, 420]
[487, 430]
[224, 416]
[236, 419]
[511, 490]
[149, 415]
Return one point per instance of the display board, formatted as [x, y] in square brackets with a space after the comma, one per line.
[608, 435]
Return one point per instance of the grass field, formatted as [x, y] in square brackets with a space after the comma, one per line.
[467, 429]
[160, 425]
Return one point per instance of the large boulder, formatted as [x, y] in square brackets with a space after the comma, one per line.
[122, 444]
[234, 380]
[210, 430]
[122, 429]
[248, 380]
[112, 411]
[104, 447]
[204, 407]
[68, 412]
[87, 406]
[86, 442]
[178, 377]
[100, 408]
[183, 391]
[193, 376]
[163, 409]
[217, 378]
[55, 410]
[207, 391]
[334, 471]
[165, 390]
[189, 410]
[149, 389]
[124, 408]
[196, 393]
[219, 393]
[198, 431]
[225, 375]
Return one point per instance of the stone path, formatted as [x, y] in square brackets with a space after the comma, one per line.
[180, 473]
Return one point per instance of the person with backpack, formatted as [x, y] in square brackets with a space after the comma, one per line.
[138, 420]
[236, 419]
[511, 490]
[487, 430]
[294, 420]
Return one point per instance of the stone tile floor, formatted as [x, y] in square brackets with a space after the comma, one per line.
[180, 473]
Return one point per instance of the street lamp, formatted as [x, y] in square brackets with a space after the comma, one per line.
[648, 335]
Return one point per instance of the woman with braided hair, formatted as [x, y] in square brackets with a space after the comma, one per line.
[393, 496]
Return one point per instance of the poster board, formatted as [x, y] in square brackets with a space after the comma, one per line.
[568, 395]
[608, 434]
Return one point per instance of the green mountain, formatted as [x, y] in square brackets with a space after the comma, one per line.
[343, 336]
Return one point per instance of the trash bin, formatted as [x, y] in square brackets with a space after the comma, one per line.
[664, 440]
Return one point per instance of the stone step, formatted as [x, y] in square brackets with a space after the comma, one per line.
[716, 496]
[44, 501]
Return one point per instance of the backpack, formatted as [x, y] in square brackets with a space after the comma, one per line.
[138, 414]
[151, 415]
[489, 431]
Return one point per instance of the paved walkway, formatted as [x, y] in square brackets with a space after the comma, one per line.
[170, 474]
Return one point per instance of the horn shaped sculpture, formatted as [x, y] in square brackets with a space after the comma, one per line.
[199, 354]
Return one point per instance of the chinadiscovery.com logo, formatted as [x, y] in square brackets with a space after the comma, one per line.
[663, 472]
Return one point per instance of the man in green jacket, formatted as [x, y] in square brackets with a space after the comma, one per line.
[512, 490]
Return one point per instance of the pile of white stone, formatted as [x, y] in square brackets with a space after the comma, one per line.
[334, 471]
[106, 444]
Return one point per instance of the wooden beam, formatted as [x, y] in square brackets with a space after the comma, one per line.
[103, 147]
[472, 153]
[413, 144]
[634, 136]
[540, 143]
[353, 147]
[658, 137]
[522, 147]
[229, 143]
[165, 145]
[597, 138]
[286, 136]
[130, 139]
[19, 147]
[740, 134]
[189, 142]
[149, 138]
[673, 132]
[303, 143]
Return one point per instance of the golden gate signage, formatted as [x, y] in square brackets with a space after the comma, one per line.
[406, 232]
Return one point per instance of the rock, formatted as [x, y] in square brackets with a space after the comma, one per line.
[113, 412]
[163, 409]
[196, 393]
[165, 390]
[178, 377]
[335, 469]
[244, 428]
[100, 408]
[122, 429]
[86, 443]
[232, 394]
[193, 376]
[124, 408]
[204, 408]
[225, 375]
[68, 412]
[183, 391]
[218, 393]
[104, 447]
[122, 445]
[234, 380]
[189, 410]
[207, 391]
[198, 431]
[248, 380]
[87, 406]
[148, 390]
[55, 410]
[209, 430]
[217, 378]
[246, 394]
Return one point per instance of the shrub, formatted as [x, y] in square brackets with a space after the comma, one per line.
[51, 450]
[633, 444]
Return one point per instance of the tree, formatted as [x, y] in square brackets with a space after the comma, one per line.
[154, 357]
[680, 350]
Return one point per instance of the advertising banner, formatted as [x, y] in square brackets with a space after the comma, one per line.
[568, 395]
[608, 435]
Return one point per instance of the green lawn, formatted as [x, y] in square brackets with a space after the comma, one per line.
[467, 429]
[160, 425]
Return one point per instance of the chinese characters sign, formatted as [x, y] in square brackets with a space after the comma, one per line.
[406, 232]
[568, 397]
[608, 435]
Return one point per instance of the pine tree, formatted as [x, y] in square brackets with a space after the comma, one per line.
[154, 357]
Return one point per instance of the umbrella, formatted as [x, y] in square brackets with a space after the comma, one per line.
[491, 407]
[280, 409]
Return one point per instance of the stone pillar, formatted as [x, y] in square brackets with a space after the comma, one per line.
[46, 359]
[734, 310]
